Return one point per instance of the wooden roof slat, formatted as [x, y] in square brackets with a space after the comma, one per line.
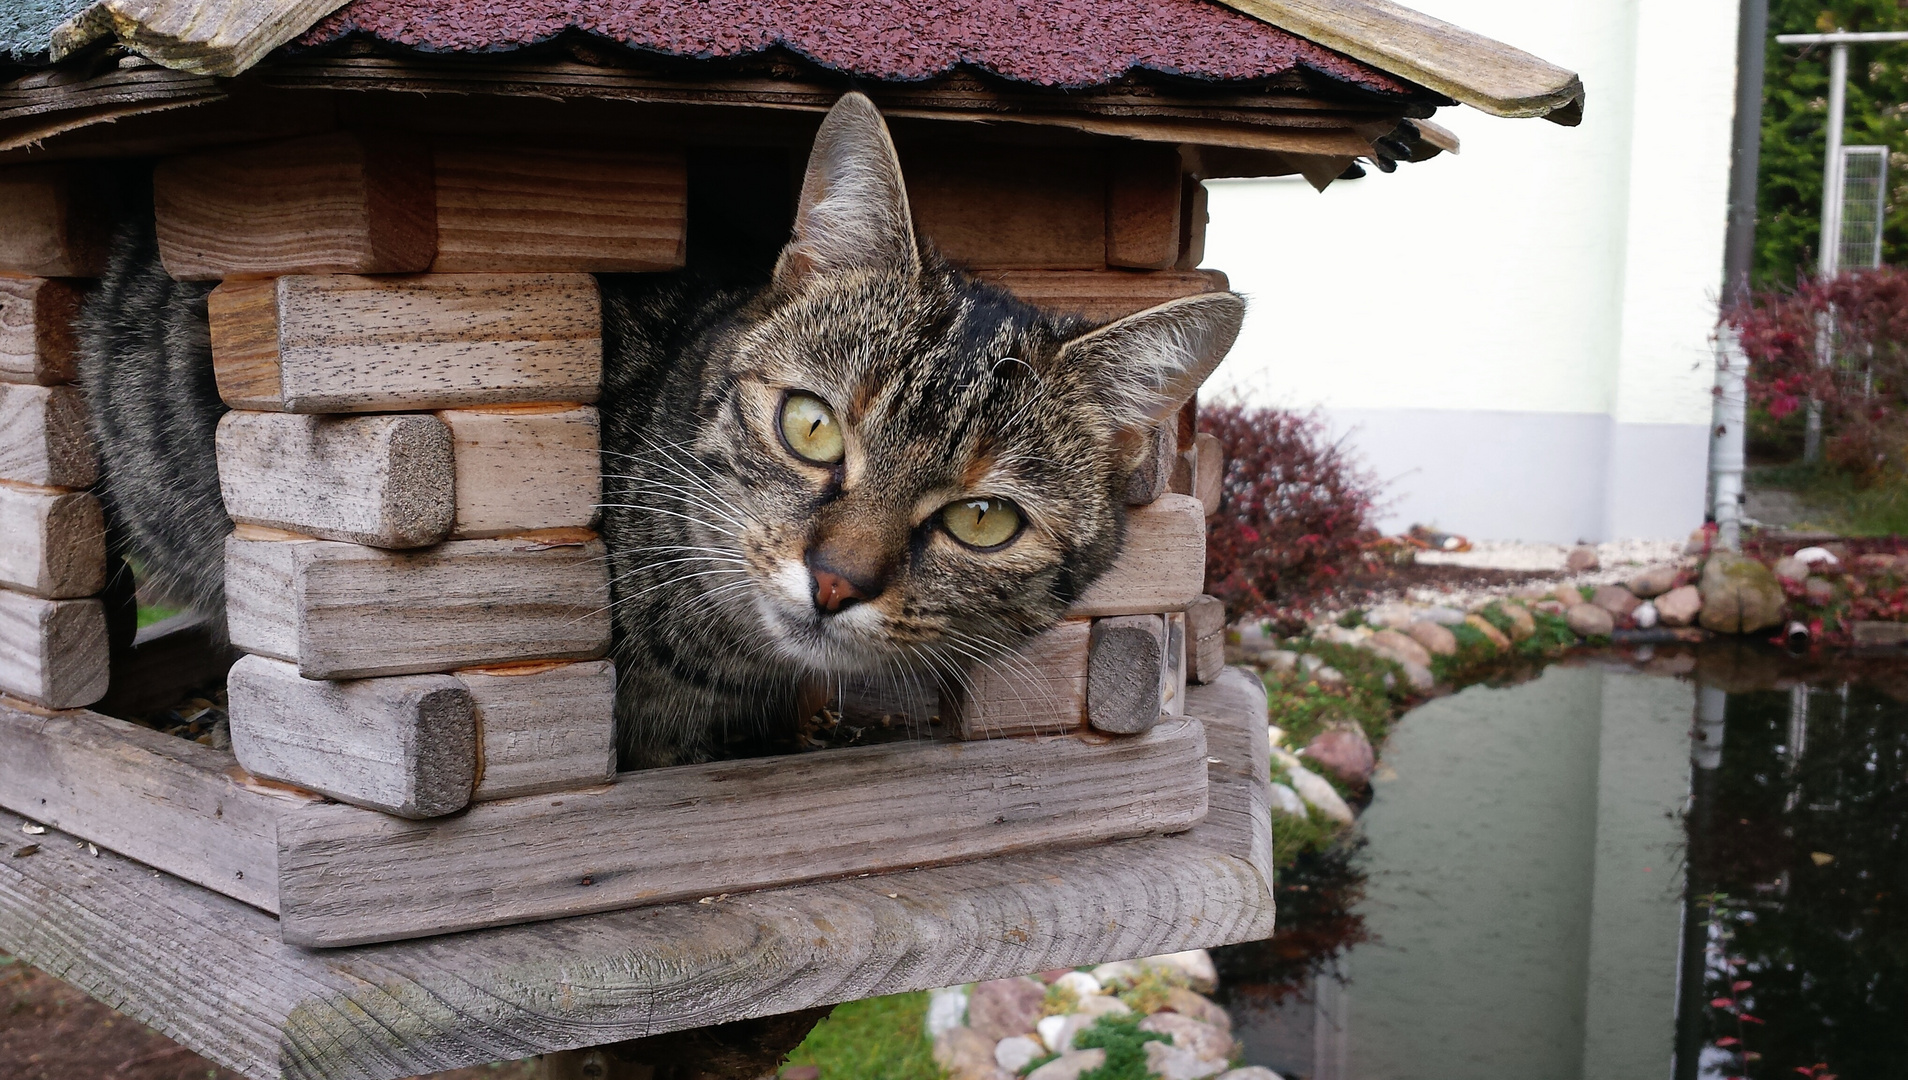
[207, 37]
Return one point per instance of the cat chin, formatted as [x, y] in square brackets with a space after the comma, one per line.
[843, 644]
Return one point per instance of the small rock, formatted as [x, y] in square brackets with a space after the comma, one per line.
[1004, 1007]
[1070, 1066]
[1679, 606]
[1420, 678]
[1491, 633]
[1315, 789]
[1013, 1054]
[1698, 543]
[1281, 661]
[1083, 985]
[1615, 599]
[1875, 563]
[1339, 635]
[1186, 1003]
[1310, 663]
[1052, 976]
[1818, 591]
[1117, 973]
[1193, 965]
[966, 1054]
[1169, 1062]
[1589, 620]
[1286, 801]
[1653, 582]
[1522, 625]
[1741, 596]
[1813, 555]
[1251, 1072]
[1644, 616]
[1443, 616]
[1392, 645]
[947, 1008]
[1390, 616]
[1437, 640]
[1328, 677]
[1582, 559]
[1056, 1033]
[1204, 1040]
[1343, 750]
[1102, 1005]
[1568, 595]
[1531, 593]
[1790, 568]
[1274, 734]
[1550, 607]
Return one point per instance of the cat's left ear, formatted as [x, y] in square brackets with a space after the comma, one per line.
[854, 208]
[1147, 365]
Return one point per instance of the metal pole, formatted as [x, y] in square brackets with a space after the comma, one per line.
[1830, 247]
[1739, 246]
[1727, 436]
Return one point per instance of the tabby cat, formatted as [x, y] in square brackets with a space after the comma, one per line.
[873, 464]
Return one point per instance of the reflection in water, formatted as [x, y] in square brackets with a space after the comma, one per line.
[1523, 889]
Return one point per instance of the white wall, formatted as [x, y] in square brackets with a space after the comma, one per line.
[1516, 336]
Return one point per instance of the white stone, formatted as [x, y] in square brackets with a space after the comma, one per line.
[1328, 676]
[1813, 555]
[1286, 801]
[1419, 677]
[947, 1008]
[1195, 964]
[1013, 1053]
[1282, 661]
[1314, 789]
[1251, 1072]
[1117, 973]
[1443, 616]
[1275, 733]
[1083, 985]
[1390, 616]
[1309, 664]
[1169, 1062]
[1102, 1005]
[1052, 1030]
[1070, 1066]
[1644, 616]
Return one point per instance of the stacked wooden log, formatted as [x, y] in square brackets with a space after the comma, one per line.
[53, 628]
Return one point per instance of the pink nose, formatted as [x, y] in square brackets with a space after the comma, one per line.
[834, 592]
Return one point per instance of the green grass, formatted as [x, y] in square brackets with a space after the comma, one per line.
[1125, 1046]
[882, 1038]
[1835, 502]
[149, 615]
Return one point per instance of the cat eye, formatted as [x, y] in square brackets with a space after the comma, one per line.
[982, 523]
[810, 430]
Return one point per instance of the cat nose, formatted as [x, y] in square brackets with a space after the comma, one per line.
[836, 590]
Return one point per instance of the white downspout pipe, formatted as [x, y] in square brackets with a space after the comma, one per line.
[1727, 436]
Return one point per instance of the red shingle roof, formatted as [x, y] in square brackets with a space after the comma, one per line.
[1055, 43]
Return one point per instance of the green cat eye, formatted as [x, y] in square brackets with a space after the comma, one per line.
[809, 428]
[982, 523]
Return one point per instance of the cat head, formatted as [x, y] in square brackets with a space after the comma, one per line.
[929, 470]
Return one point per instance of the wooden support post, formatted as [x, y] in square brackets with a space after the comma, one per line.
[543, 726]
[1206, 639]
[405, 745]
[523, 467]
[52, 652]
[341, 611]
[36, 330]
[1104, 295]
[1209, 471]
[1124, 673]
[1162, 567]
[1154, 475]
[998, 207]
[43, 436]
[1239, 819]
[1039, 690]
[386, 481]
[1192, 225]
[1143, 215]
[349, 343]
[52, 541]
[51, 221]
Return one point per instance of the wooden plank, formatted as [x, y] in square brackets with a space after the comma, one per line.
[1172, 684]
[1194, 217]
[522, 467]
[166, 801]
[1161, 568]
[543, 727]
[169, 659]
[51, 221]
[348, 876]
[1209, 471]
[1206, 639]
[1039, 690]
[1143, 215]
[347, 343]
[1239, 821]
[386, 481]
[999, 207]
[1104, 295]
[346, 202]
[52, 542]
[405, 745]
[1154, 475]
[1125, 665]
[207, 37]
[52, 652]
[559, 207]
[342, 611]
[36, 330]
[43, 436]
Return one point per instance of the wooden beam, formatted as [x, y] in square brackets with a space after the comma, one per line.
[386, 481]
[1126, 660]
[1143, 215]
[1239, 818]
[1161, 568]
[1209, 471]
[52, 222]
[1023, 207]
[1172, 684]
[206, 37]
[342, 611]
[36, 330]
[349, 343]
[543, 727]
[44, 438]
[405, 745]
[1192, 225]
[1040, 690]
[522, 467]
[685, 832]
[52, 541]
[1154, 475]
[53, 652]
[1104, 295]
[1206, 639]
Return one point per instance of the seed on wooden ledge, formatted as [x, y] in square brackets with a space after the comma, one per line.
[25, 850]
[33, 830]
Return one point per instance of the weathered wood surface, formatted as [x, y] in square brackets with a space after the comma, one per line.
[1004, 207]
[348, 876]
[43, 436]
[559, 208]
[52, 542]
[1240, 748]
[347, 202]
[1039, 690]
[1125, 665]
[166, 801]
[523, 467]
[1172, 683]
[52, 652]
[50, 222]
[1104, 295]
[342, 611]
[1194, 218]
[1161, 568]
[543, 727]
[207, 37]
[1142, 206]
[1209, 471]
[1206, 639]
[1154, 475]
[36, 330]
[386, 481]
[406, 745]
[168, 659]
[350, 343]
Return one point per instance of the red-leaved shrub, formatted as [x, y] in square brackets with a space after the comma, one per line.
[1294, 514]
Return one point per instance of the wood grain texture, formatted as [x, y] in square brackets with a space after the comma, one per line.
[36, 330]
[405, 745]
[1154, 475]
[1143, 218]
[348, 876]
[206, 37]
[1209, 471]
[1161, 568]
[1104, 295]
[1126, 663]
[342, 611]
[44, 438]
[558, 207]
[53, 652]
[1240, 819]
[524, 467]
[1172, 683]
[1040, 690]
[1194, 217]
[50, 221]
[1004, 207]
[543, 727]
[350, 343]
[166, 801]
[1205, 639]
[386, 481]
[52, 542]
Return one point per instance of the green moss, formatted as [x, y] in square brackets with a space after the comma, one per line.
[1553, 636]
[1586, 591]
[1293, 837]
[1494, 614]
[1148, 993]
[1354, 617]
[1125, 1046]
[882, 1038]
[1060, 1001]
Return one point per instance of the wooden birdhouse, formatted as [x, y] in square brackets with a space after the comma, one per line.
[403, 204]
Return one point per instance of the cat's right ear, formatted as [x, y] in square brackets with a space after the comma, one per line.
[854, 209]
[1145, 366]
